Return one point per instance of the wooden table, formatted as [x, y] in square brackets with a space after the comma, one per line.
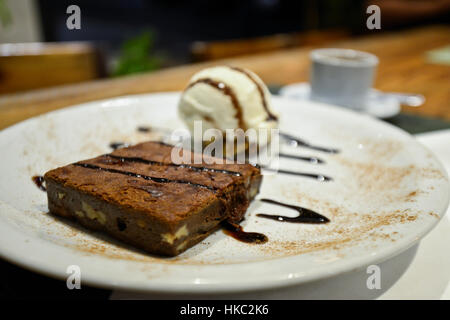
[403, 68]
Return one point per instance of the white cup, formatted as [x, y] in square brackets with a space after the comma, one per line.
[342, 76]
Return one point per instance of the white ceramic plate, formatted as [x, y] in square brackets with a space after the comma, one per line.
[388, 192]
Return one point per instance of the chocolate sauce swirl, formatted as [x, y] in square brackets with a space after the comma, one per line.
[305, 215]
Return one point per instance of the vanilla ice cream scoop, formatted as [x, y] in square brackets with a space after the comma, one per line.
[226, 97]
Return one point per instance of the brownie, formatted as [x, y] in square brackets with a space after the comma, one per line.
[138, 195]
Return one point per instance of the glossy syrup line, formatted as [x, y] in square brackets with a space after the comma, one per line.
[313, 160]
[117, 145]
[193, 168]
[136, 175]
[318, 177]
[292, 140]
[305, 215]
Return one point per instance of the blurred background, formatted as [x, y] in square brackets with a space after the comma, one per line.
[125, 37]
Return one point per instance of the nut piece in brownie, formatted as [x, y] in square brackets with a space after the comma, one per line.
[139, 196]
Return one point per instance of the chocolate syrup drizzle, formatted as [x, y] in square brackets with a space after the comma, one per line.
[39, 182]
[227, 91]
[270, 116]
[151, 162]
[144, 129]
[313, 160]
[117, 145]
[132, 174]
[319, 177]
[302, 143]
[237, 232]
[305, 215]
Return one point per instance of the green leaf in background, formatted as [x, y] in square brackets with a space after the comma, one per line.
[137, 56]
[5, 14]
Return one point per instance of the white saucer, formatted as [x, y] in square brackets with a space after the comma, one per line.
[378, 105]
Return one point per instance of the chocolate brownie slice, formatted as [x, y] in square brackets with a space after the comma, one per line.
[138, 195]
